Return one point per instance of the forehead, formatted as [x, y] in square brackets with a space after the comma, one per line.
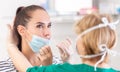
[40, 16]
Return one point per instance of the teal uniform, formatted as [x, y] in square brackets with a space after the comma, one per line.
[66, 67]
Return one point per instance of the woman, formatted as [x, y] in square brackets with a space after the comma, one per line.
[32, 23]
[96, 37]
[32, 30]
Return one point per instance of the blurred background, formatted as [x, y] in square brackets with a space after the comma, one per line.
[64, 13]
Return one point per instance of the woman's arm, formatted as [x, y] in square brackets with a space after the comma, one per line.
[19, 60]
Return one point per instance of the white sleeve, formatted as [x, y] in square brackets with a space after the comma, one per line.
[7, 66]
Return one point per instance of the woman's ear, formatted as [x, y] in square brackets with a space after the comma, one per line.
[21, 30]
[80, 47]
[24, 33]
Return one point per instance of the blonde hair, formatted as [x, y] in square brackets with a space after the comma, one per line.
[91, 39]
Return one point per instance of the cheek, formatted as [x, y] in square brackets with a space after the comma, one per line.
[81, 51]
[50, 33]
[44, 34]
[35, 32]
[80, 48]
[39, 33]
[28, 35]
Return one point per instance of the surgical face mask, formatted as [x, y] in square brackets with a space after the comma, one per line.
[37, 42]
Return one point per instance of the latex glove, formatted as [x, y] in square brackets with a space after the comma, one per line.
[64, 48]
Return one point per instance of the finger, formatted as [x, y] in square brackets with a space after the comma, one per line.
[42, 52]
[45, 49]
[48, 49]
[48, 52]
[60, 47]
[66, 53]
[63, 52]
[69, 40]
[67, 43]
[49, 55]
[64, 47]
[39, 56]
[68, 47]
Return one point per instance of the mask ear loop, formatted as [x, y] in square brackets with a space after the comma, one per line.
[103, 48]
[102, 58]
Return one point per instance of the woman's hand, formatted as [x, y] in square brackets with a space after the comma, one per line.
[45, 55]
[64, 48]
[11, 37]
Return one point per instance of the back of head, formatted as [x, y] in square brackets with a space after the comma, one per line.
[90, 40]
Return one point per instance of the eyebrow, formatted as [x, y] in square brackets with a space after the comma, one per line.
[42, 23]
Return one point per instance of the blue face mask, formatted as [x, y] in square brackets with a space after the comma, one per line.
[37, 43]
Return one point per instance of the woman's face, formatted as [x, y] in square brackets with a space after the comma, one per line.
[39, 24]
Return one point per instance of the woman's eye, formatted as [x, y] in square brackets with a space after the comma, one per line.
[49, 26]
[39, 26]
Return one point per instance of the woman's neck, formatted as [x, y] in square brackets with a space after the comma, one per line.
[31, 56]
[26, 50]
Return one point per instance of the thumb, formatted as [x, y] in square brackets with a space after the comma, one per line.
[60, 48]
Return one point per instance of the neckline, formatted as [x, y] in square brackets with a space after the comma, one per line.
[97, 67]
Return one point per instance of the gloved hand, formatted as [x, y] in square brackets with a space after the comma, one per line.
[65, 49]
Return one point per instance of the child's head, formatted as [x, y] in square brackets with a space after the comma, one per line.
[88, 43]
